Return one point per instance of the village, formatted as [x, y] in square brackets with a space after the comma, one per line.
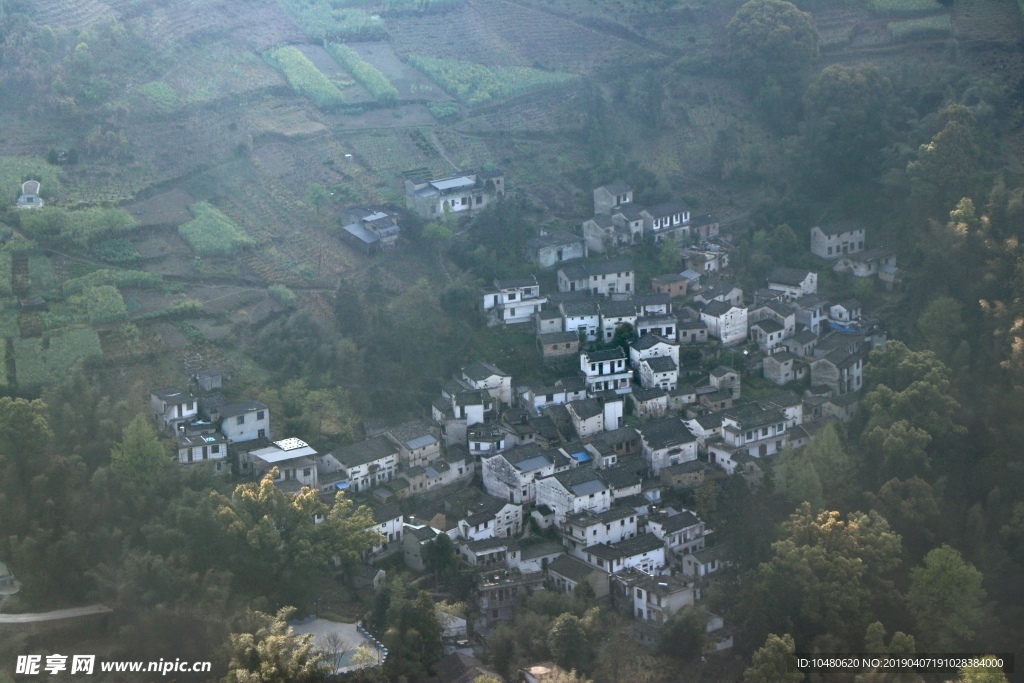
[580, 483]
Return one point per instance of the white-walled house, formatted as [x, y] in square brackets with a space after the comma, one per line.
[652, 346]
[606, 370]
[369, 463]
[493, 380]
[835, 240]
[294, 459]
[246, 421]
[417, 443]
[610, 196]
[660, 371]
[490, 518]
[605, 278]
[666, 442]
[845, 311]
[645, 552]
[682, 532]
[388, 521]
[588, 528]
[749, 430]
[171, 407]
[550, 249]
[793, 283]
[876, 262]
[726, 322]
[512, 475]
[667, 219]
[656, 599]
[465, 193]
[582, 317]
[203, 448]
[613, 314]
[573, 491]
[587, 417]
[514, 300]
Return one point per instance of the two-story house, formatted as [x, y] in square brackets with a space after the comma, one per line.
[606, 370]
[793, 283]
[463, 193]
[582, 317]
[246, 421]
[725, 292]
[751, 430]
[550, 249]
[613, 314]
[645, 552]
[666, 442]
[587, 528]
[840, 370]
[370, 229]
[611, 196]
[670, 219]
[811, 311]
[512, 475]
[515, 300]
[418, 443]
[489, 517]
[369, 463]
[388, 521]
[293, 458]
[877, 262]
[171, 407]
[658, 372]
[574, 490]
[832, 241]
[605, 278]
[489, 378]
[682, 532]
[587, 417]
[652, 346]
[725, 321]
[845, 311]
[203, 448]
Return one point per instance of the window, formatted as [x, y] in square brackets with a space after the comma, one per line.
[190, 406]
[215, 449]
[305, 472]
[260, 415]
[479, 199]
[262, 434]
[830, 251]
[465, 201]
[240, 420]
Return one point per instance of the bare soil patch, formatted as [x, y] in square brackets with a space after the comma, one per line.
[411, 83]
[168, 208]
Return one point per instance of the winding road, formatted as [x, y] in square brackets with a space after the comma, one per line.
[55, 615]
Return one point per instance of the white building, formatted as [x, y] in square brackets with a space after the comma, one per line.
[588, 528]
[582, 317]
[246, 421]
[369, 463]
[587, 417]
[666, 442]
[465, 193]
[512, 475]
[515, 300]
[667, 219]
[832, 241]
[613, 314]
[793, 282]
[573, 491]
[294, 460]
[171, 407]
[486, 377]
[726, 322]
[606, 370]
[605, 278]
[611, 196]
[645, 552]
[203, 448]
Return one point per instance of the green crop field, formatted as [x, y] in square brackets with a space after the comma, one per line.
[305, 78]
[44, 279]
[84, 226]
[370, 78]
[334, 19]
[104, 304]
[37, 364]
[15, 170]
[926, 27]
[117, 278]
[475, 84]
[212, 233]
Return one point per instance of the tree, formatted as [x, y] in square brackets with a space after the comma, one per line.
[981, 674]
[140, 459]
[848, 111]
[772, 38]
[771, 662]
[440, 557]
[317, 196]
[945, 597]
[268, 652]
[911, 508]
[569, 645]
[833, 466]
[799, 479]
[682, 636]
[941, 323]
[949, 167]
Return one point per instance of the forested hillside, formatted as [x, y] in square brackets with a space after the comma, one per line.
[196, 159]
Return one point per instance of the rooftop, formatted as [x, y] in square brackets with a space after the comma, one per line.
[792, 277]
[666, 432]
[588, 269]
[366, 451]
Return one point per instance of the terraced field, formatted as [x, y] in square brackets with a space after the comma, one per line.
[73, 15]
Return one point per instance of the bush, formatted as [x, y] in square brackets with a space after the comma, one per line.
[42, 275]
[104, 304]
[36, 367]
[117, 251]
[444, 111]
[475, 84]
[371, 79]
[282, 295]
[212, 233]
[162, 96]
[400, 7]
[84, 226]
[928, 27]
[305, 78]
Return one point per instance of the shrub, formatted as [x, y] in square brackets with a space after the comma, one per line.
[305, 78]
[282, 295]
[35, 366]
[371, 79]
[335, 19]
[444, 111]
[928, 27]
[212, 233]
[117, 251]
[104, 304]
[42, 275]
[475, 84]
[162, 96]
[83, 226]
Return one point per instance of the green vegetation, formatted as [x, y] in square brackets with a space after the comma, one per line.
[104, 304]
[116, 251]
[37, 365]
[44, 279]
[475, 84]
[15, 170]
[162, 96]
[118, 278]
[282, 295]
[82, 227]
[335, 19]
[305, 78]
[212, 233]
[368, 75]
[927, 27]
[418, 6]
[444, 111]
[5, 273]
[904, 7]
